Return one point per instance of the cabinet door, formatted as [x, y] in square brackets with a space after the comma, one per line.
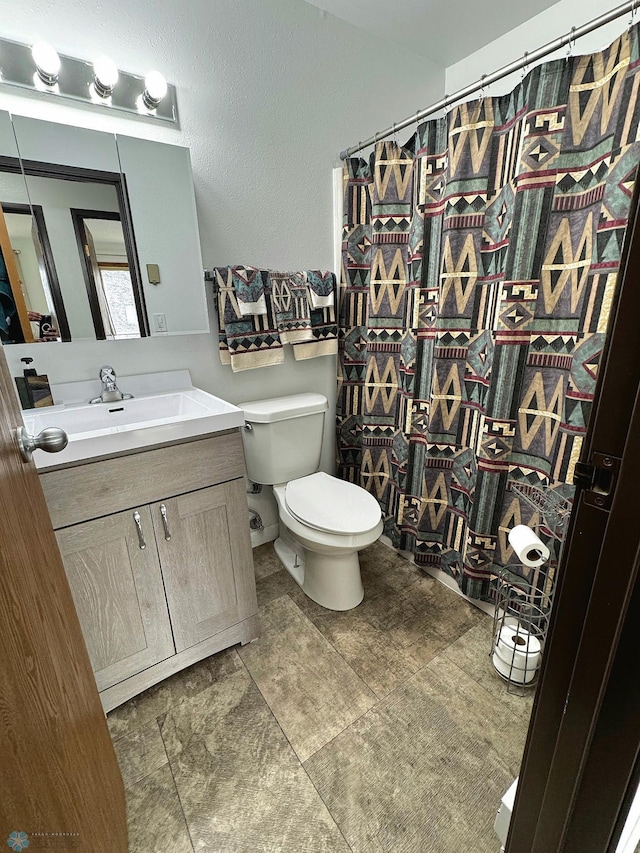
[118, 592]
[207, 562]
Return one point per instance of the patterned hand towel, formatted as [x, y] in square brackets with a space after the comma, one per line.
[325, 335]
[246, 342]
[322, 287]
[291, 306]
[248, 284]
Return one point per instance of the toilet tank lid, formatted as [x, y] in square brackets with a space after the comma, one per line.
[282, 408]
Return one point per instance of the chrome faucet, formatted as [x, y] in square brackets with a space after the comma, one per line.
[110, 392]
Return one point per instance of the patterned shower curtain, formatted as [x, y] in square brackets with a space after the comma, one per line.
[479, 265]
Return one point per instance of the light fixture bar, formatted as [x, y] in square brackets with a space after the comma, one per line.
[76, 81]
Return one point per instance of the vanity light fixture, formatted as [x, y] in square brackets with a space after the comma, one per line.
[155, 90]
[47, 62]
[100, 84]
[105, 77]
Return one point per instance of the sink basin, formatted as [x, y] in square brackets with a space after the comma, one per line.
[106, 428]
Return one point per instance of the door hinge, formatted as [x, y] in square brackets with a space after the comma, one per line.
[598, 478]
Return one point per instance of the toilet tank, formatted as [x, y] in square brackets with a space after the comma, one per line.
[283, 440]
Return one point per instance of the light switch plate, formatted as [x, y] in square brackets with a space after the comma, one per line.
[159, 322]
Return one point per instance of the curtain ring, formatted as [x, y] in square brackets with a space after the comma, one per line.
[633, 13]
[572, 43]
[525, 65]
[447, 105]
[482, 87]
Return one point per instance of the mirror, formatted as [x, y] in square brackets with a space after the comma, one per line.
[84, 217]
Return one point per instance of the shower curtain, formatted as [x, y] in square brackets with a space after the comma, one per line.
[479, 264]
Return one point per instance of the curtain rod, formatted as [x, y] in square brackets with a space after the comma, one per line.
[488, 79]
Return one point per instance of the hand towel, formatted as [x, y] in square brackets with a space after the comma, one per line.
[246, 342]
[248, 285]
[291, 306]
[322, 287]
[325, 335]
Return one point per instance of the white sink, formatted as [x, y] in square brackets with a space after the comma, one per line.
[102, 429]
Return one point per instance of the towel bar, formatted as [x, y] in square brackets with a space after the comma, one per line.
[209, 275]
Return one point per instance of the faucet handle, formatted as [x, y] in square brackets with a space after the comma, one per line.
[107, 373]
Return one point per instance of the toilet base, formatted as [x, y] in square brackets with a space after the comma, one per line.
[333, 581]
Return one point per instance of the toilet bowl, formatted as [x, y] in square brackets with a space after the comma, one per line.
[324, 522]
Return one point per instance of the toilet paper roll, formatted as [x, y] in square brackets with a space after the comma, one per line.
[516, 654]
[529, 549]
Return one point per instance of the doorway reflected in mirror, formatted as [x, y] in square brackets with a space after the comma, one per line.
[73, 250]
[116, 312]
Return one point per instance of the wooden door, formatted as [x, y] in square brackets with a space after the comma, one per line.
[207, 563]
[118, 591]
[58, 771]
[584, 737]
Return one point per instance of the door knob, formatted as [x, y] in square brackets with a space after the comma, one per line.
[51, 440]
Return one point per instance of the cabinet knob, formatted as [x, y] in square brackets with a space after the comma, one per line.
[51, 440]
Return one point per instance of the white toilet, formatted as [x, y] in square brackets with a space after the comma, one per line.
[324, 521]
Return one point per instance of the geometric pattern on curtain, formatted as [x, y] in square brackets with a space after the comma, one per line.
[479, 266]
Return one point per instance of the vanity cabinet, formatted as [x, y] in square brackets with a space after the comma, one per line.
[118, 591]
[200, 550]
[157, 550]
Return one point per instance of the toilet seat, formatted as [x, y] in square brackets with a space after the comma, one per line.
[325, 503]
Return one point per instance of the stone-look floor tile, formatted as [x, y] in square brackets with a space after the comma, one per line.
[158, 699]
[429, 606]
[240, 784]
[471, 653]
[140, 752]
[384, 570]
[395, 633]
[265, 561]
[154, 815]
[476, 712]
[313, 693]
[424, 770]
[274, 585]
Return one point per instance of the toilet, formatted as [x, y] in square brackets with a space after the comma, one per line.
[324, 521]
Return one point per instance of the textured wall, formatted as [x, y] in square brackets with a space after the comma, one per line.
[539, 30]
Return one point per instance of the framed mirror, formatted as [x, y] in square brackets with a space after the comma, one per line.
[113, 235]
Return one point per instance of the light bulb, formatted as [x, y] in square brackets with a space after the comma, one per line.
[47, 62]
[155, 88]
[105, 76]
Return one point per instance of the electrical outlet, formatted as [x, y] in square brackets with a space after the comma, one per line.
[159, 322]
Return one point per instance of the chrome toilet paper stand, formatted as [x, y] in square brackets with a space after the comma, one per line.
[524, 606]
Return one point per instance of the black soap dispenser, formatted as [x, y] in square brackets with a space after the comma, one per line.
[34, 390]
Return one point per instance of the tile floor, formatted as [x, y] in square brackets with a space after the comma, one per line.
[380, 729]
